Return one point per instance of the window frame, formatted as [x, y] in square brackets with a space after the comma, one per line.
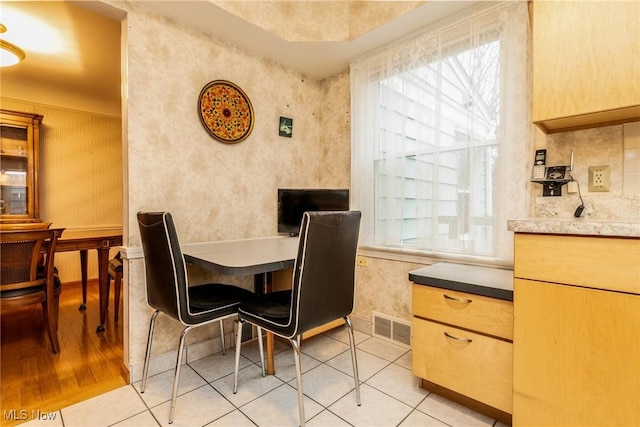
[370, 241]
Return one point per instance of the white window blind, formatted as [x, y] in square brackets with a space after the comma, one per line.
[441, 136]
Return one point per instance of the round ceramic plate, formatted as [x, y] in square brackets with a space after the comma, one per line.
[225, 111]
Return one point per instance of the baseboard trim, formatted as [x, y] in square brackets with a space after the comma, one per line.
[78, 283]
[124, 373]
[468, 402]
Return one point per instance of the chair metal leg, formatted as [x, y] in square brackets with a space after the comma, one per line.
[295, 343]
[224, 351]
[261, 348]
[354, 361]
[147, 355]
[237, 362]
[176, 375]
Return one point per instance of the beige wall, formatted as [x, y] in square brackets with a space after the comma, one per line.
[80, 176]
[592, 147]
[217, 191]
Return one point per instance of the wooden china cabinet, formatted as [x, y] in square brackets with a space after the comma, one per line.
[19, 157]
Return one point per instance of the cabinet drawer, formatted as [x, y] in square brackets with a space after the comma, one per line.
[479, 313]
[480, 369]
[608, 263]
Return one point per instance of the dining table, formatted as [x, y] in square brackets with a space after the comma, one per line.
[257, 257]
[84, 240]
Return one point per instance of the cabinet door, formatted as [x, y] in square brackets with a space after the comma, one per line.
[586, 63]
[576, 356]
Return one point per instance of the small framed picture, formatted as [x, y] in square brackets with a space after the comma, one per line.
[286, 127]
[556, 172]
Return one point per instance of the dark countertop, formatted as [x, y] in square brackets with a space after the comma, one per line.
[486, 281]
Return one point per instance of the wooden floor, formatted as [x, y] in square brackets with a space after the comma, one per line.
[89, 364]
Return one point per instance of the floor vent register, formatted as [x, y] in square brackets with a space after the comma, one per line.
[392, 329]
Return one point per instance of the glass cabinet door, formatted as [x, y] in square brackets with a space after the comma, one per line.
[19, 148]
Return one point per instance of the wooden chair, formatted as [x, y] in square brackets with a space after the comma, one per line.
[20, 282]
[115, 273]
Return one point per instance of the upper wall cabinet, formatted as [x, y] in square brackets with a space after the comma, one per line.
[19, 151]
[586, 64]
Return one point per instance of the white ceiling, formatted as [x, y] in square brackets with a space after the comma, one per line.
[88, 33]
[317, 59]
[67, 47]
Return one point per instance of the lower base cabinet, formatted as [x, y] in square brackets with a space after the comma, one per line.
[578, 356]
[463, 348]
[576, 331]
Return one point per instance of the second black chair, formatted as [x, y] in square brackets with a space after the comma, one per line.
[168, 289]
[322, 289]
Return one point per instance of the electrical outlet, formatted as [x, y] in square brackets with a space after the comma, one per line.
[362, 261]
[599, 178]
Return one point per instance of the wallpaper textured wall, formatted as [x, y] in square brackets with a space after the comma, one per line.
[592, 147]
[80, 177]
[217, 191]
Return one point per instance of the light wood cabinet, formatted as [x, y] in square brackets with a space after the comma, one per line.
[586, 64]
[468, 363]
[489, 316]
[576, 339]
[463, 342]
[19, 159]
[611, 263]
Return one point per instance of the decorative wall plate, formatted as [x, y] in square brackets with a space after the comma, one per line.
[225, 111]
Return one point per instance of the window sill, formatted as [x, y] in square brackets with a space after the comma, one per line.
[428, 258]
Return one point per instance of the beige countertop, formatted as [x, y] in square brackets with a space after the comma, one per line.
[614, 227]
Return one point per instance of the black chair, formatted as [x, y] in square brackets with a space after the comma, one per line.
[322, 289]
[168, 289]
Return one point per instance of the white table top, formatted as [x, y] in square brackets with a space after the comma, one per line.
[243, 257]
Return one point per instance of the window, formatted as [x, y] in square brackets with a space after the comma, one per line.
[437, 124]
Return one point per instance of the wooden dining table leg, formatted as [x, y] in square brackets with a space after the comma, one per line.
[103, 284]
[83, 272]
[271, 369]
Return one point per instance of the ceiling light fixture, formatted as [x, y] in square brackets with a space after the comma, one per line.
[10, 54]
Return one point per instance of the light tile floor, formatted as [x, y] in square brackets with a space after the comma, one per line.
[389, 391]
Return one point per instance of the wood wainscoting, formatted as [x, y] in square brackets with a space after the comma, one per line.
[32, 378]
